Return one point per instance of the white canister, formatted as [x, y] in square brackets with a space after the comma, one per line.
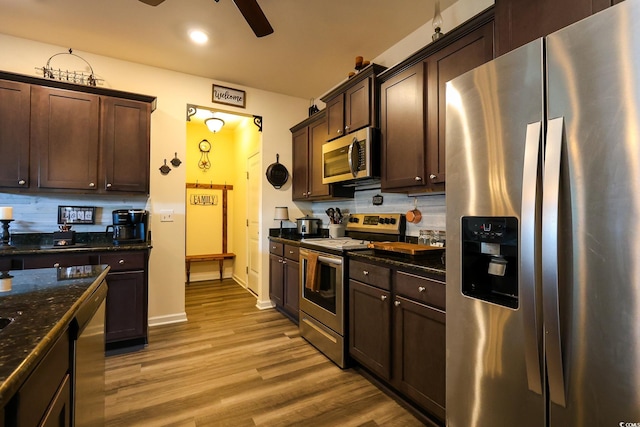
[336, 230]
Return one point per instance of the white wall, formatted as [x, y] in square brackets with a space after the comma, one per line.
[168, 135]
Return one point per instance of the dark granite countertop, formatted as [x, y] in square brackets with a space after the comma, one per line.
[42, 302]
[431, 265]
[41, 243]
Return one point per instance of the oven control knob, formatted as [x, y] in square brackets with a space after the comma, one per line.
[393, 220]
[381, 221]
[387, 220]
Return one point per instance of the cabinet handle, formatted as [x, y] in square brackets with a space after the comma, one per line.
[383, 297]
[346, 128]
[56, 265]
[91, 184]
[291, 252]
[280, 261]
[109, 185]
[417, 178]
[396, 303]
[284, 262]
[308, 193]
[421, 289]
[304, 194]
[339, 131]
[273, 247]
[121, 262]
[22, 182]
[432, 176]
[365, 272]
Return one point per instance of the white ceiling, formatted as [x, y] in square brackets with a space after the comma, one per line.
[312, 49]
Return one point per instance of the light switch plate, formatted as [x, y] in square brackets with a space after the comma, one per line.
[166, 215]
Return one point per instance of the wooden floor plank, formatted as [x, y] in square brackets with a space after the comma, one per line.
[234, 365]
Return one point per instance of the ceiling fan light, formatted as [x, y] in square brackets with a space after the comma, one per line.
[198, 37]
[214, 124]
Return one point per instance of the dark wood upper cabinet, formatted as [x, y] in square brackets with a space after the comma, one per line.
[353, 104]
[64, 137]
[413, 105]
[521, 21]
[15, 113]
[308, 137]
[125, 144]
[57, 136]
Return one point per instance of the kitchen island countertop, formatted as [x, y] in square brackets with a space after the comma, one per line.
[43, 303]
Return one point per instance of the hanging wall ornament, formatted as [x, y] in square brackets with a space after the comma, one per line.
[165, 169]
[205, 148]
[176, 161]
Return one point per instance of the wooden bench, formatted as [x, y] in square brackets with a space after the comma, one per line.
[208, 257]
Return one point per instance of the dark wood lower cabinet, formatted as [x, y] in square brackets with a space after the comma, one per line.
[45, 397]
[397, 332]
[419, 354]
[125, 317]
[284, 281]
[370, 327]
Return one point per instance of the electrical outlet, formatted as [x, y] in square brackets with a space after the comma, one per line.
[166, 215]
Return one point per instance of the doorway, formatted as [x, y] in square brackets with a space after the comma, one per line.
[253, 222]
[222, 168]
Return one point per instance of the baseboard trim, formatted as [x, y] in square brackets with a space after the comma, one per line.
[264, 305]
[168, 319]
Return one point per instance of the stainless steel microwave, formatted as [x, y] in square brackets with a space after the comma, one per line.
[352, 157]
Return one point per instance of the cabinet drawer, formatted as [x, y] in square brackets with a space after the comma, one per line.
[421, 289]
[124, 261]
[371, 274]
[276, 248]
[292, 252]
[57, 260]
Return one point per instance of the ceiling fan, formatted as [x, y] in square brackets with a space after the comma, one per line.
[250, 10]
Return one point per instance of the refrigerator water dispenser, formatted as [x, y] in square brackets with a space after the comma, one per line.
[490, 259]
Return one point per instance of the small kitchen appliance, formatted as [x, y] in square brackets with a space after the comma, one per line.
[353, 157]
[308, 226]
[129, 226]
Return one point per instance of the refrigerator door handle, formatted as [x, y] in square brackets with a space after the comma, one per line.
[550, 272]
[529, 256]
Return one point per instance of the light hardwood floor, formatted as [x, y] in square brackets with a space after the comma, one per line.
[234, 365]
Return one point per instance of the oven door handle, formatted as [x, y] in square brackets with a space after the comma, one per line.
[327, 260]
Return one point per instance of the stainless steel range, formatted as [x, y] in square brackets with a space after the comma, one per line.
[324, 279]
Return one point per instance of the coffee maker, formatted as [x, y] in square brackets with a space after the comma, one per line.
[129, 226]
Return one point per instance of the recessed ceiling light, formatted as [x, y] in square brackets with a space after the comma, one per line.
[198, 37]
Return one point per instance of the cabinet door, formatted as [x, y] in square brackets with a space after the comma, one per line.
[402, 117]
[125, 142]
[276, 279]
[64, 135]
[15, 109]
[370, 328]
[472, 50]
[291, 287]
[519, 22]
[59, 413]
[419, 354]
[335, 117]
[300, 178]
[317, 137]
[357, 108]
[126, 316]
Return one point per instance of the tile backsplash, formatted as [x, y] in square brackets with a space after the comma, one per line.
[39, 213]
[432, 207]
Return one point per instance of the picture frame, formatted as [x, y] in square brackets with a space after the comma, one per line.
[76, 214]
[229, 96]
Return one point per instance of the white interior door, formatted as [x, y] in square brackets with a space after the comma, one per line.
[253, 222]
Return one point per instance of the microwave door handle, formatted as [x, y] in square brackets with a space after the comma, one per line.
[353, 168]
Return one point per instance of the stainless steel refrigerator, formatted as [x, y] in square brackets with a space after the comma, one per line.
[543, 231]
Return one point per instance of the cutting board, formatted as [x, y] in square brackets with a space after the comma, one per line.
[404, 248]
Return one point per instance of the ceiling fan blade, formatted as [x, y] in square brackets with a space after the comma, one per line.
[152, 2]
[254, 16]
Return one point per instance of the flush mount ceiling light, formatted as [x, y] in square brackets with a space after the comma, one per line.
[198, 37]
[214, 124]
